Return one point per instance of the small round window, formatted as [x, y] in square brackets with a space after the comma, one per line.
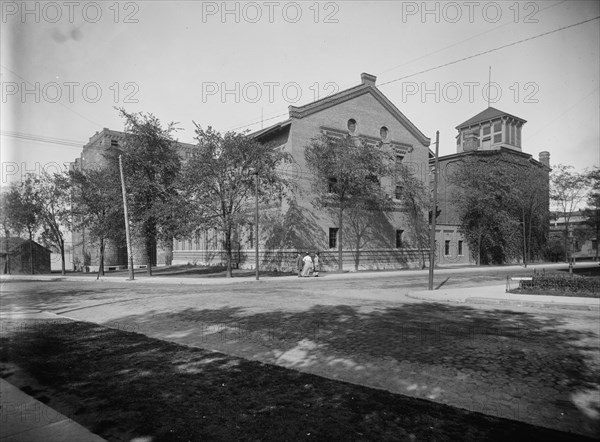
[383, 133]
[352, 125]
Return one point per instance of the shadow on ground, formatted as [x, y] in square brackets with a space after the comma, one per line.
[450, 353]
[125, 385]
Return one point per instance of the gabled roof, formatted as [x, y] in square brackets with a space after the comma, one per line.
[271, 129]
[366, 87]
[489, 114]
[13, 243]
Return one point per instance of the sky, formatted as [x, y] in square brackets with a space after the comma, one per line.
[67, 66]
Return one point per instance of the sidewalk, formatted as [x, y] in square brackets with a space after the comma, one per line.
[25, 419]
[212, 280]
[497, 294]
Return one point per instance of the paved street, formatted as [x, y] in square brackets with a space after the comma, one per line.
[537, 365]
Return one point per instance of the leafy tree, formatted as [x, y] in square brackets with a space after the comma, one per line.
[530, 200]
[5, 221]
[152, 169]
[567, 190]
[220, 180]
[55, 212]
[97, 207]
[361, 219]
[347, 174]
[502, 206]
[592, 211]
[24, 209]
[416, 201]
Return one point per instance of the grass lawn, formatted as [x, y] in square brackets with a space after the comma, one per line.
[123, 385]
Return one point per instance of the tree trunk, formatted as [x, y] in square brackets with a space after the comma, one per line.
[340, 264]
[524, 241]
[228, 251]
[357, 259]
[529, 239]
[479, 249]
[148, 248]
[30, 251]
[7, 235]
[566, 242]
[101, 263]
[62, 256]
[597, 232]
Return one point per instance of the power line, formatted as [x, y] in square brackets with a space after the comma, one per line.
[490, 50]
[461, 59]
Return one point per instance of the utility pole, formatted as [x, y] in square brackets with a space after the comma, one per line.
[127, 235]
[256, 239]
[433, 212]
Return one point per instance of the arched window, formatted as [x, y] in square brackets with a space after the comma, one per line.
[352, 126]
[383, 133]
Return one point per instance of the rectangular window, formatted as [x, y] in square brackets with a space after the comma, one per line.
[399, 238]
[398, 192]
[486, 129]
[331, 185]
[333, 231]
[498, 127]
[519, 136]
[497, 138]
[374, 180]
[447, 247]
[114, 143]
[460, 248]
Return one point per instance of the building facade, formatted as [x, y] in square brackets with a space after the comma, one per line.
[297, 225]
[86, 255]
[491, 133]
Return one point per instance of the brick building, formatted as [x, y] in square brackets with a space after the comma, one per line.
[297, 225]
[86, 255]
[489, 133]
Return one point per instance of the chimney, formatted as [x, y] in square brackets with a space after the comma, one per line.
[368, 79]
[545, 158]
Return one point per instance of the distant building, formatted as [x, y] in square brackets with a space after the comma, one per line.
[16, 255]
[581, 242]
[489, 133]
[86, 256]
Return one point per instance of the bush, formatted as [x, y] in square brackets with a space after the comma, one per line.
[562, 283]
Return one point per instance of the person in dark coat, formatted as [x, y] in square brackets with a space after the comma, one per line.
[299, 264]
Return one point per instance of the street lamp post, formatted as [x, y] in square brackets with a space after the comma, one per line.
[127, 234]
[256, 244]
[254, 171]
[433, 212]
